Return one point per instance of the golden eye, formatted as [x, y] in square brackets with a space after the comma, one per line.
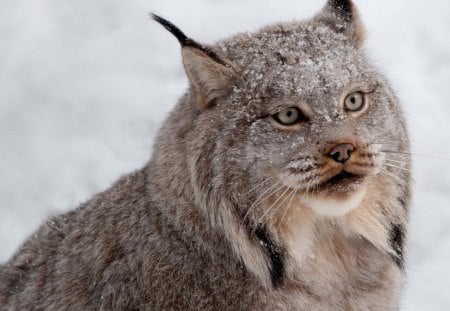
[354, 101]
[289, 116]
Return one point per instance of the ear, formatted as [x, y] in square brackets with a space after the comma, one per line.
[210, 78]
[343, 17]
[210, 75]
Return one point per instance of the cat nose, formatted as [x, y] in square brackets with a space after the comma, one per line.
[342, 152]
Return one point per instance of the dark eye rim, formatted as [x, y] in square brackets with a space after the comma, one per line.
[300, 118]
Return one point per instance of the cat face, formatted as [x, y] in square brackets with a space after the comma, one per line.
[291, 112]
[301, 90]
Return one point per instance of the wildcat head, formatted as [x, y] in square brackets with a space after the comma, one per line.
[292, 118]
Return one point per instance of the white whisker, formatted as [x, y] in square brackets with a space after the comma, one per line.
[288, 206]
[399, 167]
[267, 193]
[273, 204]
[306, 194]
[282, 202]
[389, 174]
[396, 161]
[259, 185]
[414, 154]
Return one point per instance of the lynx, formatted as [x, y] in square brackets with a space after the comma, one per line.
[280, 181]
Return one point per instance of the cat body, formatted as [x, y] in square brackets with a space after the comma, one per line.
[280, 181]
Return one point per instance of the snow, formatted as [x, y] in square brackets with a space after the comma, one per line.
[85, 85]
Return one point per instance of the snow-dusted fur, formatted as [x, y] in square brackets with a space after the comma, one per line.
[236, 211]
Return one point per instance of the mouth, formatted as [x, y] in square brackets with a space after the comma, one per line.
[341, 183]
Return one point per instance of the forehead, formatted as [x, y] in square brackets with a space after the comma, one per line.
[296, 59]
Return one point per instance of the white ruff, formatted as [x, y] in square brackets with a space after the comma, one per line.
[334, 207]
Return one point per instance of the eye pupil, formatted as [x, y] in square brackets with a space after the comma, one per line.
[289, 116]
[354, 102]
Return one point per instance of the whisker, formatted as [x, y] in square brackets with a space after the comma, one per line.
[259, 185]
[316, 188]
[401, 168]
[286, 198]
[287, 207]
[273, 204]
[267, 193]
[262, 197]
[414, 141]
[389, 174]
[395, 161]
[306, 194]
[415, 154]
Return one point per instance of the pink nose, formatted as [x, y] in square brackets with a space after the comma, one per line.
[342, 152]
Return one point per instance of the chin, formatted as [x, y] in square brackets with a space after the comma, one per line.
[335, 201]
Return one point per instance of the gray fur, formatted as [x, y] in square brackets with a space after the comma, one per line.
[219, 218]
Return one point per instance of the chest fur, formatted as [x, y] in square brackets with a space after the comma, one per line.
[342, 273]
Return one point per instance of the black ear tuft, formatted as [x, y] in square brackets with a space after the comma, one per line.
[209, 74]
[343, 17]
[343, 7]
[182, 38]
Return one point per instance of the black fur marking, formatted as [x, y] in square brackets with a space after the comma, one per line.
[342, 7]
[397, 236]
[275, 254]
[402, 202]
[184, 40]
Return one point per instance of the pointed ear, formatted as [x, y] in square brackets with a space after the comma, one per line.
[210, 75]
[211, 79]
[343, 17]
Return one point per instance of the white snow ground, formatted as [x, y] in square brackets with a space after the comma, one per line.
[85, 84]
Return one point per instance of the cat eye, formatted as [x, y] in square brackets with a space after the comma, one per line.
[289, 116]
[354, 101]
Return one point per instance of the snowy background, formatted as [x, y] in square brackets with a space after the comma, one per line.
[84, 85]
